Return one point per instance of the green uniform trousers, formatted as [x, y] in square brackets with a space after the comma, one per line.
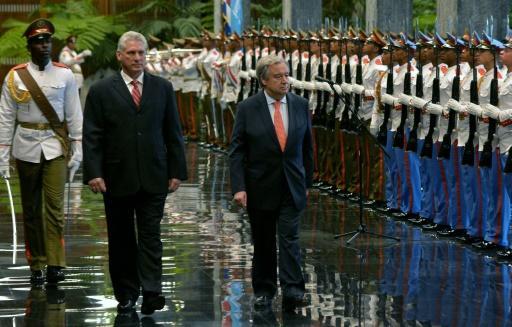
[42, 199]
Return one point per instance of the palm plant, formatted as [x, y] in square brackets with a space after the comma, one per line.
[169, 19]
[95, 32]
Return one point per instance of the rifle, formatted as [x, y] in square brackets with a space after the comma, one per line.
[345, 119]
[468, 155]
[398, 140]
[260, 43]
[299, 65]
[318, 117]
[359, 81]
[307, 78]
[382, 135]
[444, 151]
[338, 80]
[412, 142]
[428, 144]
[486, 157]
[253, 67]
[244, 68]
[326, 94]
[290, 64]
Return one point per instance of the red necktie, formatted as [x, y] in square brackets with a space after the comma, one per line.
[135, 92]
[279, 125]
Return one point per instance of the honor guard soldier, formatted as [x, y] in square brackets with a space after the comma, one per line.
[191, 86]
[69, 57]
[503, 115]
[232, 83]
[420, 123]
[41, 98]
[466, 130]
[496, 205]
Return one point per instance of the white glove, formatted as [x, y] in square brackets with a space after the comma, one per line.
[455, 105]
[5, 151]
[474, 109]
[418, 102]
[491, 111]
[245, 75]
[252, 73]
[76, 158]
[324, 86]
[405, 99]
[347, 88]
[388, 99]
[310, 86]
[86, 53]
[434, 109]
[337, 88]
[357, 89]
[5, 171]
[505, 115]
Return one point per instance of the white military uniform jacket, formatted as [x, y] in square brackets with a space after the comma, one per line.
[58, 84]
[71, 59]
[232, 80]
[191, 78]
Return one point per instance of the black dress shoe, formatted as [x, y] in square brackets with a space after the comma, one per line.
[54, 274]
[126, 306]
[504, 254]
[262, 302]
[290, 303]
[419, 221]
[485, 245]
[37, 277]
[468, 239]
[152, 302]
[369, 203]
[450, 232]
[399, 215]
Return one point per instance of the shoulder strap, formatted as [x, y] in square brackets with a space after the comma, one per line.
[44, 105]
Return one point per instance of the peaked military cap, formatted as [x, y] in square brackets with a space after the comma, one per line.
[488, 43]
[39, 28]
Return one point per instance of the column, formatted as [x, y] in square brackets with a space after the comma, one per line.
[456, 16]
[389, 15]
[302, 14]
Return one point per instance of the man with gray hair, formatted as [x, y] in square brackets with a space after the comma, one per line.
[271, 164]
[134, 155]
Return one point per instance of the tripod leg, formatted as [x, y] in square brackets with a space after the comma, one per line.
[383, 236]
[353, 237]
[345, 234]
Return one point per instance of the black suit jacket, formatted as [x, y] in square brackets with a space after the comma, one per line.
[132, 149]
[257, 164]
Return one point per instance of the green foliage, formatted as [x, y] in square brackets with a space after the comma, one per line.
[353, 10]
[266, 13]
[172, 20]
[95, 32]
[425, 13]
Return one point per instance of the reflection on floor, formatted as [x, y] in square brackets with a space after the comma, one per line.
[419, 281]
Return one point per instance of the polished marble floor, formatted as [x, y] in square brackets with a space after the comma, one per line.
[419, 281]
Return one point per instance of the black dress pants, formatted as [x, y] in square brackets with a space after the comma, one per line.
[265, 224]
[134, 245]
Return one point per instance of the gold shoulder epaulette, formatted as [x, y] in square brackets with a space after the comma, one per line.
[19, 96]
[20, 66]
[58, 64]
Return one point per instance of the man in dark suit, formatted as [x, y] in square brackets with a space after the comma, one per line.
[271, 159]
[133, 154]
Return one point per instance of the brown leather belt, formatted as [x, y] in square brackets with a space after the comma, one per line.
[36, 126]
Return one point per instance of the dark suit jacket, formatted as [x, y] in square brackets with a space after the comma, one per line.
[130, 149]
[257, 164]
